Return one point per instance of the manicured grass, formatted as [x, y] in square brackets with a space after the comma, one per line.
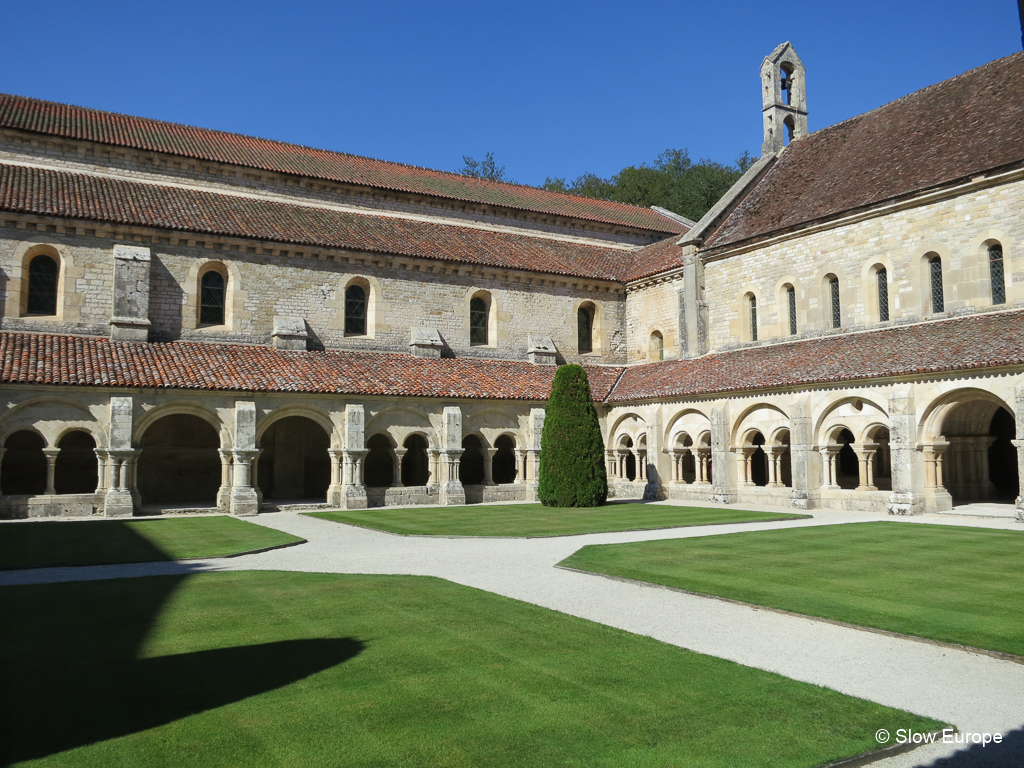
[93, 542]
[311, 670]
[523, 520]
[958, 585]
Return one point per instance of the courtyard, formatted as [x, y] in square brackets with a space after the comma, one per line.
[354, 646]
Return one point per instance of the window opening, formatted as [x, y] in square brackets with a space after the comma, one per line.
[753, 318]
[211, 307]
[42, 286]
[657, 346]
[938, 302]
[833, 285]
[477, 321]
[995, 271]
[585, 330]
[883, 295]
[355, 310]
[791, 296]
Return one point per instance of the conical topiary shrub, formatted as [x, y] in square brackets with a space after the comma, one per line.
[572, 471]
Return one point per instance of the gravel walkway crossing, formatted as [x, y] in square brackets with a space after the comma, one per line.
[976, 692]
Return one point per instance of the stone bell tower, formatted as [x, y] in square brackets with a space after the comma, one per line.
[784, 99]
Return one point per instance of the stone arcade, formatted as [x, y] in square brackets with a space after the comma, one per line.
[194, 319]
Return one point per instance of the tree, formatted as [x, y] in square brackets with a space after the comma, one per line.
[483, 169]
[673, 181]
[572, 469]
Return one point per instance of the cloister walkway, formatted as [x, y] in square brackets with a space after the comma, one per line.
[975, 692]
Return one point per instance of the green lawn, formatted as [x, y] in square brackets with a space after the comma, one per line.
[310, 670]
[523, 520]
[93, 542]
[958, 585]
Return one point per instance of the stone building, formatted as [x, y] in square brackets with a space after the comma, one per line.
[195, 319]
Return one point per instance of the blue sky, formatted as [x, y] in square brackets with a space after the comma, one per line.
[552, 88]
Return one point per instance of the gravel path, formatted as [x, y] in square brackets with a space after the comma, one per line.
[975, 692]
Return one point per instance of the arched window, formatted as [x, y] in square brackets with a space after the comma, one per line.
[790, 128]
[882, 278]
[656, 346]
[355, 310]
[995, 273]
[585, 329]
[752, 307]
[212, 290]
[833, 292]
[791, 301]
[478, 321]
[43, 273]
[935, 272]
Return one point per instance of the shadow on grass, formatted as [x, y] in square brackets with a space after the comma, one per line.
[72, 672]
[1008, 754]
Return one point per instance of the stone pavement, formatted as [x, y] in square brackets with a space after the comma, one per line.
[975, 692]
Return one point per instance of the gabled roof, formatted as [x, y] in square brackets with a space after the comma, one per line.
[946, 133]
[63, 120]
[653, 259]
[966, 343]
[118, 201]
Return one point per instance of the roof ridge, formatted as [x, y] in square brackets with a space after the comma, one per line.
[278, 142]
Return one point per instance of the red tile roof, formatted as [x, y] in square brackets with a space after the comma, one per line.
[978, 341]
[967, 343]
[50, 118]
[81, 361]
[938, 136]
[116, 201]
[653, 259]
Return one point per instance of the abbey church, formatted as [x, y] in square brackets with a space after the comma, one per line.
[198, 320]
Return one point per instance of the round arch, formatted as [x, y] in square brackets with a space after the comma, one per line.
[185, 408]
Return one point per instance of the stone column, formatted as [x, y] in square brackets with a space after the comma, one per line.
[1019, 503]
[399, 453]
[51, 462]
[489, 465]
[244, 501]
[101, 469]
[353, 453]
[224, 492]
[724, 491]
[774, 465]
[933, 465]
[130, 318]
[641, 466]
[865, 454]
[451, 491]
[703, 456]
[520, 466]
[803, 459]
[119, 501]
[335, 489]
[828, 466]
[435, 467]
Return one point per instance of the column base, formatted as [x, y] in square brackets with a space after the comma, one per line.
[1019, 504]
[353, 497]
[452, 494]
[335, 494]
[245, 501]
[905, 504]
[722, 496]
[118, 504]
[224, 498]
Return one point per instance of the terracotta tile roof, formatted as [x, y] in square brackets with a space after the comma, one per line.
[81, 361]
[977, 341]
[50, 118]
[937, 136]
[116, 201]
[653, 259]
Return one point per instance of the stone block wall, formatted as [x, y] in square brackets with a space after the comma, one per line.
[653, 306]
[958, 230]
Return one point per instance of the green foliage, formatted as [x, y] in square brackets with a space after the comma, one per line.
[572, 471]
[483, 169]
[673, 181]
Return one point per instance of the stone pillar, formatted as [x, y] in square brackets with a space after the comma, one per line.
[723, 488]
[451, 491]
[102, 458]
[353, 453]
[533, 437]
[51, 462]
[744, 470]
[905, 497]
[489, 465]
[520, 466]
[1019, 503]
[641, 466]
[804, 461]
[1018, 415]
[244, 501]
[224, 492]
[396, 481]
[120, 499]
[334, 490]
[130, 318]
[703, 457]
[435, 467]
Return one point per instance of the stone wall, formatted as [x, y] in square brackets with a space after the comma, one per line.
[958, 230]
[653, 306]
